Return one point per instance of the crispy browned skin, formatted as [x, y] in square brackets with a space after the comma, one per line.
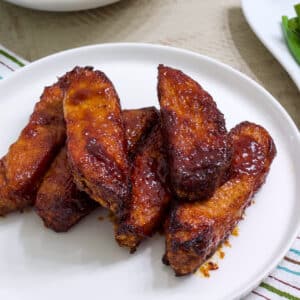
[150, 195]
[195, 135]
[28, 159]
[59, 203]
[97, 149]
[194, 230]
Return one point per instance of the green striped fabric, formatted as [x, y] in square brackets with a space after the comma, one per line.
[277, 291]
[12, 58]
[9, 62]
[283, 283]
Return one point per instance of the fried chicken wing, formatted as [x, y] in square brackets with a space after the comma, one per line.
[195, 134]
[59, 203]
[96, 143]
[194, 230]
[28, 159]
[150, 194]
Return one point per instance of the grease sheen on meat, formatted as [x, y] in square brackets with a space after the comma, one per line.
[150, 195]
[28, 159]
[59, 203]
[195, 230]
[195, 135]
[97, 149]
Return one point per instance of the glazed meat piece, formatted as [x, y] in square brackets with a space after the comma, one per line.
[96, 143]
[138, 124]
[195, 230]
[28, 159]
[195, 134]
[8, 203]
[59, 203]
[150, 195]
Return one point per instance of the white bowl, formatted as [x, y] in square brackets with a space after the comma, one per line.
[62, 5]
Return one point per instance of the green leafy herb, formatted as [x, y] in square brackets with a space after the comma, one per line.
[291, 29]
[297, 9]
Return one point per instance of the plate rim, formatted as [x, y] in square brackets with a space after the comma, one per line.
[48, 6]
[244, 290]
[261, 37]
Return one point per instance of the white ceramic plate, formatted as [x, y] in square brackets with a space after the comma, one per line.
[86, 263]
[264, 17]
[61, 5]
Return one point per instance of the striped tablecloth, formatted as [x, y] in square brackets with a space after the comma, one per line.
[282, 283]
[9, 62]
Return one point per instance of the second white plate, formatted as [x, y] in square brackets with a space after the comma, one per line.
[264, 17]
[86, 262]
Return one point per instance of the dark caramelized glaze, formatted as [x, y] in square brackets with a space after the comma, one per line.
[59, 203]
[138, 123]
[250, 154]
[150, 194]
[195, 134]
[97, 149]
[195, 230]
[29, 157]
